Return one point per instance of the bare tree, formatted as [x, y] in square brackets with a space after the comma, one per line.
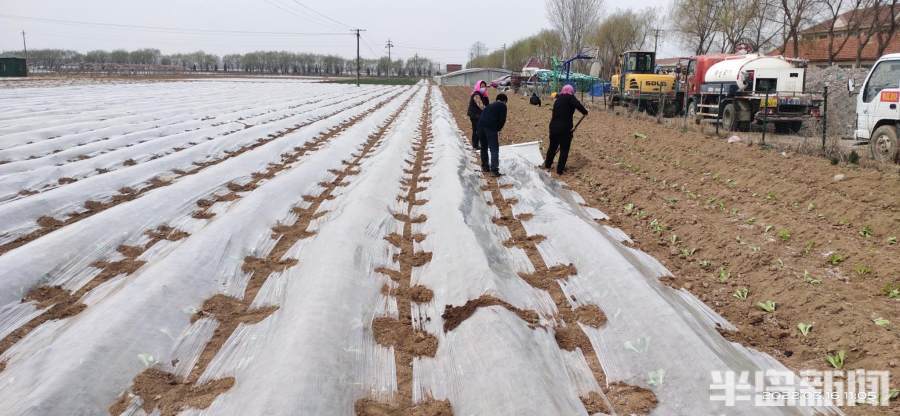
[574, 20]
[796, 14]
[619, 32]
[887, 22]
[736, 20]
[834, 10]
[698, 23]
[477, 50]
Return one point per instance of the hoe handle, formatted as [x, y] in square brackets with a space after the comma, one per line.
[578, 123]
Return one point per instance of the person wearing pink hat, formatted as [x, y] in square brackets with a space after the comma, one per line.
[561, 127]
[478, 100]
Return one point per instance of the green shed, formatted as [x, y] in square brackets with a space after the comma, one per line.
[13, 67]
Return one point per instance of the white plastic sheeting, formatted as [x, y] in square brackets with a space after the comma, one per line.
[145, 316]
[653, 330]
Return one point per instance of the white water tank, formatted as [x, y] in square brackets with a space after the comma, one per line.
[735, 69]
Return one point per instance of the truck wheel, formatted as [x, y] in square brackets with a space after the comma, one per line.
[782, 128]
[794, 127]
[884, 144]
[729, 117]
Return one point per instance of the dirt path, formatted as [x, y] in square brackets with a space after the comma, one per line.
[737, 225]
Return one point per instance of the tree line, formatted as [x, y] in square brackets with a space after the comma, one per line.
[700, 27]
[260, 62]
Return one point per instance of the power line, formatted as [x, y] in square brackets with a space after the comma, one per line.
[164, 29]
[321, 14]
[428, 48]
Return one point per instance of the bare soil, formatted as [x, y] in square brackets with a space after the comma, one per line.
[819, 240]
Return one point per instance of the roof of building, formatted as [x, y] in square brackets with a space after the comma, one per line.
[816, 49]
[848, 19]
[533, 63]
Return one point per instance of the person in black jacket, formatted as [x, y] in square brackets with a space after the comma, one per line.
[561, 127]
[489, 126]
[478, 100]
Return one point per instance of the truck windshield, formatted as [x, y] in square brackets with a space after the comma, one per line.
[885, 75]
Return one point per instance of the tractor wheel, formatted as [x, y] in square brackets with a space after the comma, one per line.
[884, 144]
[729, 117]
[782, 128]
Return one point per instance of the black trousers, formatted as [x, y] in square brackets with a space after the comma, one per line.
[489, 141]
[476, 142]
[562, 143]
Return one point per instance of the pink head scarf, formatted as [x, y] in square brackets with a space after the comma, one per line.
[478, 88]
[567, 90]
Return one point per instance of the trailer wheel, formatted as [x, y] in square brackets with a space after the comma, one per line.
[884, 144]
[729, 117]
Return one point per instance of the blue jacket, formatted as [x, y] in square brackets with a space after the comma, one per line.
[493, 117]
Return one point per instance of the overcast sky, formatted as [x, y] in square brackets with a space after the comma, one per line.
[442, 30]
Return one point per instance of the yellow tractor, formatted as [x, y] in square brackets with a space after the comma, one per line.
[636, 84]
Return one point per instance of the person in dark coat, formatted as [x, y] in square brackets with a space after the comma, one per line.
[535, 100]
[489, 126]
[561, 127]
[478, 100]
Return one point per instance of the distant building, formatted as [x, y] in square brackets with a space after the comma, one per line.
[532, 66]
[454, 67]
[13, 67]
[850, 30]
[469, 77]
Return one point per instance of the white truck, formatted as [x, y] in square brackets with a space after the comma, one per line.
[878, 108]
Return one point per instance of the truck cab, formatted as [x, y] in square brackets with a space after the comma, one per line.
[878, 108]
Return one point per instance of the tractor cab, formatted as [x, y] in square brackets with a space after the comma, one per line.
[637, 62]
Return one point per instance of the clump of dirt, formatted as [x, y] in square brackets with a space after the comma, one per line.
[590, 315]
[631, 400]
[545, 278]
[431, 407]
[453, 316]
[160, 390]
[402, 336]
[266, 266]
[61, 305]
[420, 294]
[593, 402]
[571, 337]
[66, 180]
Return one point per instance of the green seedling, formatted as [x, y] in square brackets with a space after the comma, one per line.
[891, 290]
[705, 264]
[685, 252]
[724, 275]
[893, 394]
[656, 226]
[811, 206]
[835, 258]
[673, 239]
[836, 360]
[862, 269]
[629, 208]
[751, 220]
[768, 306]
[881, 322]
[640, 136]
[655, 378]
[779, 262]
[770, 196]
[804, 328]
[642, 214]
[809, 279]
[784, 235]
[892, 240]
[808, 247]
[866, 231]
[731, 183]
[768, 228]
[741, 293]
[734, 212]
[754, 249]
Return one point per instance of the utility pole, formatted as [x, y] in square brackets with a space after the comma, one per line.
[390, 63]
[357, 31]
[25, 48]
[504, 56]
[656, 40]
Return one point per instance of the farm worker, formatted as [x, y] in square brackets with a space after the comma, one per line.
[561, 127]
[535, 100]
[489, 126]
[478, 100]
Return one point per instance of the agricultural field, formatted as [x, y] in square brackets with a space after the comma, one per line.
[279, 247]
[739, 226]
